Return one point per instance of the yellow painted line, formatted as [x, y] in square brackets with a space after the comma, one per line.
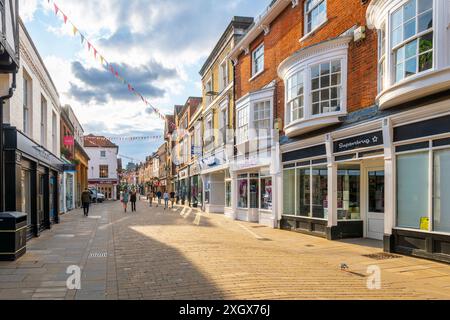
[197, 219]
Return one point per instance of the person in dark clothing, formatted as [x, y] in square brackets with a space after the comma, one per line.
[133, 199]
[86, 201]
[172, 198]
[159, 195]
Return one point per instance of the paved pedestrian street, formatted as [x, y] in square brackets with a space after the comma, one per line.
[185, 254]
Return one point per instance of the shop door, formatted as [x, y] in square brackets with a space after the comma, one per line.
[41, 217]
[375, 202]
[52, 198]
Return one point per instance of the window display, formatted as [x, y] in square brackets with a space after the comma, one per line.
[441, 186]
[266, 193]
[319, 193]
[228, 194]
[254, 191]
[348, 195]
[304, 193]
[288, 199]
[243, 192]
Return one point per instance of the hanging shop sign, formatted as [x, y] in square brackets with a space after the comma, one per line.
[69, 141]
[359, 142]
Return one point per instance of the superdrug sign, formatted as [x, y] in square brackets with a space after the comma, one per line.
[359, 142]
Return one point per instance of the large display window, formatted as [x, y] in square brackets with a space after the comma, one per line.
[255, 191]
[243, 191]
[310, 186]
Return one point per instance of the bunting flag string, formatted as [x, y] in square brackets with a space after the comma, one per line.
[105, 63]
[126, 139]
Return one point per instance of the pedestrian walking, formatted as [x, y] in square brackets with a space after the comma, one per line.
[125, 199]
[86, 201]
[159, 195]
[166, 200]
[150, 197]
[172, 198]
[133, 200]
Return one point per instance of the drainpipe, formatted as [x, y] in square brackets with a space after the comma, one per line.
[2, 180]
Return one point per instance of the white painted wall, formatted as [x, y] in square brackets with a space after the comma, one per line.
[96, 160]
[41, 85]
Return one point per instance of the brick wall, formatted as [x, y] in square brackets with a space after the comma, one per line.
[283, 40]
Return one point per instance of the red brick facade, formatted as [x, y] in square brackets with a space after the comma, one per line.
[284, 39]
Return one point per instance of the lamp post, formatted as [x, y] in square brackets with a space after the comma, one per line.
[9, 65]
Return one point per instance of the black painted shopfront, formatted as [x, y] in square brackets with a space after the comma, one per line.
[31, 181]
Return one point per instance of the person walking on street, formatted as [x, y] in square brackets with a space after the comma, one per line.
[166, 200]
[86, 200]
[172, 198]
[125, 199]
[150, 197]
[159, 195]
[133, 199]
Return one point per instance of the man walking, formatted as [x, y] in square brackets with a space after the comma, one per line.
[166, 200]
[86, 200]
[150, 196]
[159, 195]
[172, 198]
[133, 199]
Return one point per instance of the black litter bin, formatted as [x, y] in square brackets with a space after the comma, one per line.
[13, 235]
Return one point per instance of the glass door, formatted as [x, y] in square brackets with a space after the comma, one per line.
[375, 202]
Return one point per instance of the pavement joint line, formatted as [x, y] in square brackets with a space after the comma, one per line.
[250, 231]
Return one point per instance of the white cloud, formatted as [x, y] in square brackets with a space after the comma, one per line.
[27, 9]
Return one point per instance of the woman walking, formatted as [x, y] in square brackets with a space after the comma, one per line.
[166, 200]
[125, 199]
[150, 196]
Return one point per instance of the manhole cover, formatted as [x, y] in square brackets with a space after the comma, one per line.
[98, 255]
[381, 256]
[309, 246]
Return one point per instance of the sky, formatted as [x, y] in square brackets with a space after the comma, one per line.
[159, 46]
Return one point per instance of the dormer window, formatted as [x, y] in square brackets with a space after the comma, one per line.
[412, 38]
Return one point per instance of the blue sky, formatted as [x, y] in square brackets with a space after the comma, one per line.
[158, 45]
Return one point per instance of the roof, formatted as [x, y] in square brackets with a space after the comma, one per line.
[92, 141]
[236, 23]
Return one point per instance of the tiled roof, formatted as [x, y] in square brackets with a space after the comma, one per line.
[92, 141]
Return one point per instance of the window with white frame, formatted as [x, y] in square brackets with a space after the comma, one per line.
[261, 117]
[326, 87]
[209, 90]
[258, 60]
[242, 125]
[315, 14]
[54, 130]
[26, 104]
[223, 124]
[208, 130]
[381, 57]
[223, 75]
[43, 121]
[412, 38]
[295, 96]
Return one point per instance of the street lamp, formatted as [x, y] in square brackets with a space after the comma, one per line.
[9, 65]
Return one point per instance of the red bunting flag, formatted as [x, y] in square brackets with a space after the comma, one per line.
[56, 9]
[65, 18]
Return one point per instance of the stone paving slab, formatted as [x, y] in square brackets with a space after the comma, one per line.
[185, 254]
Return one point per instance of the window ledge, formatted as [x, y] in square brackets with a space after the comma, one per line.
[256, 75]
[306, 125]
[414, 87]
[313, 31]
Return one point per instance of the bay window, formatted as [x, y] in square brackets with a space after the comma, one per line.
[412, 38]
[326, 87]
[315, 14]
[295, 98]
[242, 125]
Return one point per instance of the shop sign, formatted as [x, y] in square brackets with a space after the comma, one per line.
[69, 141]
[363, 141]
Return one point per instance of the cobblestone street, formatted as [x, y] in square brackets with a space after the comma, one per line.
[183, 254]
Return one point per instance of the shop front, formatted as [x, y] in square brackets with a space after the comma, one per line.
[335, 188]
[184, 186]
[68, 188]
[214, 172]
[196, 186]
[31, 177]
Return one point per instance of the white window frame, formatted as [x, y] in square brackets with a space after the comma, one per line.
[255, 58]
[223, 75]
[54, 132]
[393, 49]
[27, 103]
[44, 108]
[382, 43]
[307, 12]
[223, 121]
[243, 124]
[266, 104]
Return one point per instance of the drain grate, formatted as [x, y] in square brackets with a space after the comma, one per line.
[102, 254]
[381, 256]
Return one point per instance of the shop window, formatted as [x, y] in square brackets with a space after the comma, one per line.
[243, 192]
[376, 191]
[441, 215]
[254, 191]
[304, 192]
[315, 14]
[207, 192]
[319, 192]
[26, 194]
[261, 118]
[266, 193]
[288, 188]
[412, 38]
[348, 196]
[412, 189]
[228, 194]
